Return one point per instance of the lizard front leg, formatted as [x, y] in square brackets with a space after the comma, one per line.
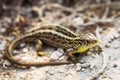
[74, 54]
[71, 55]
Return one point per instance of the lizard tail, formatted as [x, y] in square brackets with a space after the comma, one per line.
[20, 63]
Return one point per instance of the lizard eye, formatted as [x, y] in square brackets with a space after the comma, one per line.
[87, 41]
[94, 41]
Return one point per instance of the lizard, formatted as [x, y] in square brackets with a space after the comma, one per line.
[55, 35]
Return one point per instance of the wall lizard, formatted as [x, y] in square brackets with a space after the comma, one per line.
[54, 35]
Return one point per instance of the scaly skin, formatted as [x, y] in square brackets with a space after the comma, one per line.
[54, 35]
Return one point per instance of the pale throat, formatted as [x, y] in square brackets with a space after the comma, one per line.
[85, 48]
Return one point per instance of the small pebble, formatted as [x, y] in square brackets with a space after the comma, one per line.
[2, 45]
[61, 70]
[1, 56]
[115, 64]
[78, 67]
[51, 72]
[22, 44]
[6, 63]
[2, 30]
[78, 21]
[25, 50]
[33, 68]
[57, 54]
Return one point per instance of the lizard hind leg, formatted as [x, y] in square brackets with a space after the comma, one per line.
[39, 47]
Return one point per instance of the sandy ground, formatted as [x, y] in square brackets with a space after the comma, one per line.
[100, 19]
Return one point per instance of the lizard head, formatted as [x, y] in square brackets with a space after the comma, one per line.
[88, 41]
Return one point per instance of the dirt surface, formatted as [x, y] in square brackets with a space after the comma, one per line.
[102, 18]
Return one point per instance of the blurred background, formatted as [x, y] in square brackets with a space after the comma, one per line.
[100, 17]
